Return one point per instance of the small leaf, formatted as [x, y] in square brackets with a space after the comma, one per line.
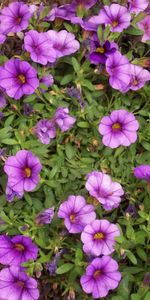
[64, 268]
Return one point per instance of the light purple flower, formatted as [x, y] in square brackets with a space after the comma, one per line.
[2, 38]
[91, 24]
[14, 18]
[145, 26]
[23, 171]
[45, 217]
[101, 276]
[18, 78]
[119, 128]
[47, 80]
[142, 172]
[45, 131]
[84, 3]
[15, 284]
[99, 237]
[118, 67]
[39, 47]
[63, 119]
[76, 213]
[17, 250]
[11, 194]
[64, 12]
[136, 6]
[116, 16]
[63, 42]
[138, 77]
[101, 187]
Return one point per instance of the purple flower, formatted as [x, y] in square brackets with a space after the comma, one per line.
[11, 194]
[17, 250]
[119, 128]
[47, 80]
[45, 131]
[63, 42]
[142, 172]
[77, 213]
[138, 77]
[145, 26]
[45, 217]
[146, 280]
[63, 119]
[2, 38]
[136, 6]
[39, 47]
[99, 237]
[27, 109]
[65, 12]
[101, 276]
[101, 187]
[15, 284]
[118, 67]
[14, 18]
[91, 24]
[23, 171]
[18, 78]
[116, 16]
[99, 53]
[131, 210]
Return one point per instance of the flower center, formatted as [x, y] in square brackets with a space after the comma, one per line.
[27, 172]
[114, 23]
[97, 273]
[135, 82]
[22, 78]
[116, 126]
[72, 218]
[98, 236]
[21, 283]
[18, 20]
[100, 50]
[19, 247]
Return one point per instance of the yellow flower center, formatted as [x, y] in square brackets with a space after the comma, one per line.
[98, 236]
[100, 50]
[27, 172]
[19, 247]
[116, 126]
[72, 218]
[22, 78]
[115, 23]
[97, 273]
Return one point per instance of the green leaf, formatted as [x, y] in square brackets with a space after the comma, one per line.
[75, 64]
[142, 254]
[9, 142]
[135, 297]
[64, 268]
[132, 257]
[70, 151]
[83, 124]
[66, 79]
[147, 297]
[100, 34]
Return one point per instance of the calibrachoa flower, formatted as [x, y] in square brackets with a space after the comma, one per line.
[144, 25]
[11, 194]
[84, 3]
[63, 42]
[14, 18]
[63, 119]
[101, 187]
[99, 237]
[45, 131]
[116, 16]
[17, 250]
[39, 47]
[65, 12]
[15, 284]
[138, 77]
[136, 6]
[47, 80]
[23, 171]
[101, 276]
[118, 67]
[142, 172]
[45, 217]
[119, 128]
[76, 213]
[18, 78]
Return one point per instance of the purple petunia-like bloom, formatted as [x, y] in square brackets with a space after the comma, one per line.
[136, 6]
[138, 77]
[118, 67]
[18, 78]
[145, 26]
[101, 276]
[99, 237]
[45, 217]
[11, 194]
[119, 128]
[14, 18]
[17, 250]
[45, 131]
[65, 12]
[63, 119]
[63, 42]
[15, 284]
[47, 80]
[39, 47]
[23, 171]
[116, 16]
[101, 187]
[98, 52]
[76, 213]
[142, 172]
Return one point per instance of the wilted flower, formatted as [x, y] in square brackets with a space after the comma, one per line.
[23, 171]
[63, 119]
[101, 187]
[17, 250]
[18, 78]
[45, 217]
[131, 210]
[119, 128]
[27, 109]
[11, 194]
[14, 18]
[144, 25]
[101, 276]
[76, 213]
[146, 280]
[99, 237]
[45, 131]
[142, 172]
[136, 6]
[17, 285]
